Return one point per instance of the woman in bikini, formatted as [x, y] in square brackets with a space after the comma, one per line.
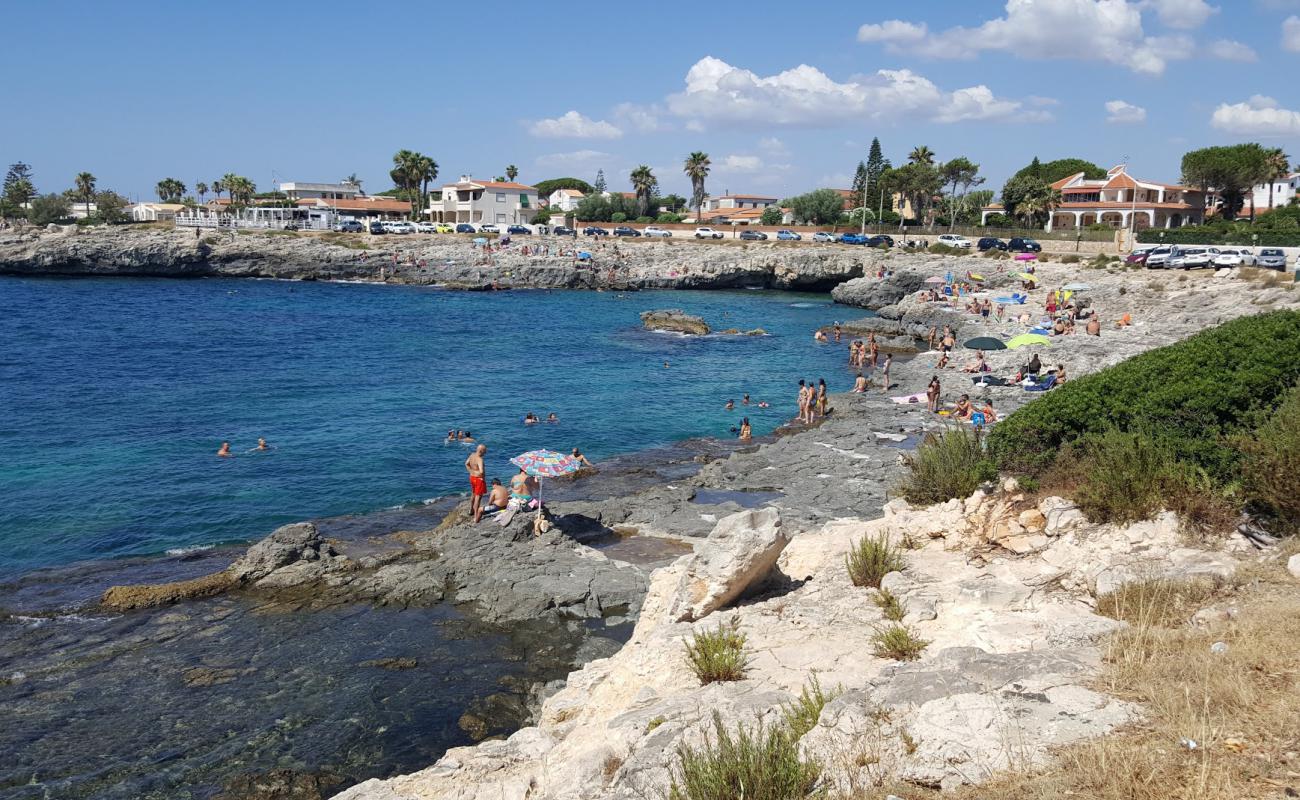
[932, 394]
[821, 396]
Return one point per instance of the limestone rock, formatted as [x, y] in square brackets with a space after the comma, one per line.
[282, 547]
[1032, 520]
[675, 320]
[1293, 565]
[739, 553]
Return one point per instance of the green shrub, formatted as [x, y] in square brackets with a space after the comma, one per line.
[872, 559]
[1070, 259]
[762, 765]
[898, 642]
[718, 655]
[953, 464]
[890, 606]
[945, 250]
[801, 715]
[1191, 398]
[1123, 475]
[618, 216]
[1271, 464]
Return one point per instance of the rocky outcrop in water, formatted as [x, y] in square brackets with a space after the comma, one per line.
[676, 321]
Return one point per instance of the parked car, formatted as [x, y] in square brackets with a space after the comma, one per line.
[1022, 245]
[465, 227]
[1138, 256]
[488, 227]
[443, 227]
[990, 243]
[1234, 257]
[623, 230]
[953, 240]
[654, 231]
[562, 230]
[520, 230]
[789, 236]
[375, 227]
[398, 226]
[592, 230]
[1157, 258]
[823, 236]
[753, 236]
[881, 240]
[1271, 258]
[1190, 257]
[425, 227]
[852, 238]
[349, 226]
[707, 233]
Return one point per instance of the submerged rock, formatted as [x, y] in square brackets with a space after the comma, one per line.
[675, 320]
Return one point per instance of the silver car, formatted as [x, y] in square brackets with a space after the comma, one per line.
[1271, 258]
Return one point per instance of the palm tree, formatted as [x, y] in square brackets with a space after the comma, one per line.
[1039, 206]
[426, 170]
[229, 180]
[86, 188]
[217, 188]
[169, 190]
[512, 172]
[201, 189]
[404, 174]
[1276, 167]
[352, 180]
[921, 155]
[697, 169]
[643, 183]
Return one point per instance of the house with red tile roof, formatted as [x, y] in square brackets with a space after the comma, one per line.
[498, 202]
[1120, 200]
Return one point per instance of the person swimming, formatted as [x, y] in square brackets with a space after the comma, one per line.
[744, 401]
[552, 418]
[262, 446]
[451, 435]
[531, 419]
[468, 437]
[224, 452]
[731, 405]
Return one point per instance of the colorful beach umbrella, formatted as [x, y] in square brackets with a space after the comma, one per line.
[1027, 277]
[545, 463]
[1028, 339]
[985, 343]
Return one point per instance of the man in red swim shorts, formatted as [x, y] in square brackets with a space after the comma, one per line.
[477, 485]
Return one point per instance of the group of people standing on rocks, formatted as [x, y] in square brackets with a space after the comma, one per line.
[813, 400]
[521, 494]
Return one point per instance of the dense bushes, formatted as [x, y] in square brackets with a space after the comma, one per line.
[1271, 464]
[947, 466]
[1190, 397]
[1278, 228]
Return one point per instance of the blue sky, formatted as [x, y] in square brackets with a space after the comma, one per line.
[784, 98]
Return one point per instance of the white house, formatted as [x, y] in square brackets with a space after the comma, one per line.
[565, 200]
[468, 200]
[155, 212]
[325, 191]
[1284, 191]
[738, 201]
[1119, 200]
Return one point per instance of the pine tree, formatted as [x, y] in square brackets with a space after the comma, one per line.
[859, 189]
[876, 166]
[599, 185]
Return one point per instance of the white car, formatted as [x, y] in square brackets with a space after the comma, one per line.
[487, 227]
[707, 233]
[1234, 257]
[425, 227]
[823, 236]
[398, 227]
[1191, 257]
[654, 231]
[1159, 257]
[953, 240]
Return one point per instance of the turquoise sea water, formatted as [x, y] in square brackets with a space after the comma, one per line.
[116, 393]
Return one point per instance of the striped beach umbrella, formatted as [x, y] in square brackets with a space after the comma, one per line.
[545, 464]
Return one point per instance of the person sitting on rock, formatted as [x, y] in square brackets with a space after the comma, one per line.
[1094, 326]
[978, 365]
[962, 409]
[860, 384]
[498, 498]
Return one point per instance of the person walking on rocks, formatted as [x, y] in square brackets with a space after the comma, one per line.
[477, 484]
[932, 394]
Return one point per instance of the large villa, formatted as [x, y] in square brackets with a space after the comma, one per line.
[1119, 200]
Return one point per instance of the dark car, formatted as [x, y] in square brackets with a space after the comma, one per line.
[592, 230]
[880, 240]
[990, 243]
[375, 226]
[623, 230]
[1139, 257]
[520, 230]
[562, 230]
[1022, 245]
[465, 227]
[753, 236]
[852, 238]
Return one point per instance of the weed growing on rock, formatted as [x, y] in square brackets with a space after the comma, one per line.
[951, 465]
[1160, 602]
[872, 559]
[760, 765]
[718, 655]
[802, 715]
[890, 605]
[655, 723]
[910, 745]
[898, 642]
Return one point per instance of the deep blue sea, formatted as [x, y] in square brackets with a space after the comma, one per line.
[116, 393]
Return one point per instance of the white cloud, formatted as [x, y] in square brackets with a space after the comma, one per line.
[805, 96]
[575, 159]
[574, 126]
[1090, 30]
[1185, 14]
[1258, 116]
[1291, 34]
[743, 164]
[1230, 50]
[773, 146]
[1035, 100]
[1120, 112]
[645, 119]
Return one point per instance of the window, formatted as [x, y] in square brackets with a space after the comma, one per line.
[501, 197]
[501, 217]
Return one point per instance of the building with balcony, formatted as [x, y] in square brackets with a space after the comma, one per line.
[1120, 200]
[325, 191]
[468, 200]
[736, 202]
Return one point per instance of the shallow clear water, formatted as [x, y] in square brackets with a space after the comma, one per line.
[116, 393]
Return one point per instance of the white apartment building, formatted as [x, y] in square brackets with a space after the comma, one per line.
[738, 201]
[565, 200]
[468, 200]
[319, 191]
[1284, 191]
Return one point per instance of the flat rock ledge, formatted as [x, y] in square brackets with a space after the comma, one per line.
[1002, 589]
